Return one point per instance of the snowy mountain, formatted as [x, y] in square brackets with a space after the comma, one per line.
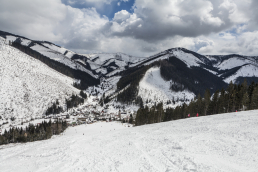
[224, 142]
[228, 67]
[28, 86]
[175, 75]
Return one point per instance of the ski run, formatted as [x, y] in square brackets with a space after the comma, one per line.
[224, 142]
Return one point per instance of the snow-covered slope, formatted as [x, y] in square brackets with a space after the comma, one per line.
[245, 71]
[217, 143]
[186, 56]
[102, 58]
[153, 87]
[28, 86]
[109, 63]
[232, 63]
[49, 50]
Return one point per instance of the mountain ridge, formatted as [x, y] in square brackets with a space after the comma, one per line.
[190, 70]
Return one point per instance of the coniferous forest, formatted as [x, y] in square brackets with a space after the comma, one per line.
[235, 98]
[73, 101]
[32, 133]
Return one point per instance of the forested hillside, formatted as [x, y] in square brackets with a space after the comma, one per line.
[235, 98]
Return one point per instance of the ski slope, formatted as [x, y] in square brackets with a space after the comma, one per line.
[28, 86]
[153, 87]
[218, 143]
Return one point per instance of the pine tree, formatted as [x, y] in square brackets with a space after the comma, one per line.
[207, 98]
[250, 94]
[254, 99]
[221, 102]
[213, 108]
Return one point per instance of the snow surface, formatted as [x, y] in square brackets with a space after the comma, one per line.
[103, 57]
[28, 86]
[154, 87]
[187, 58]
[217, 143]
[10, 38]
[56, 48]
[57, 56]
[54, 55]
[25, 42]
[245, 71]
[233, 62]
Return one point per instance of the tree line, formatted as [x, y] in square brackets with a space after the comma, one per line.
[33, 132]
[237, 97]
[73, 101]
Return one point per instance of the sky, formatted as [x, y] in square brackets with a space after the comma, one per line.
[137, 27]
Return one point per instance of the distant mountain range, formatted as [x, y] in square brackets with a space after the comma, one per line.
[175, 74]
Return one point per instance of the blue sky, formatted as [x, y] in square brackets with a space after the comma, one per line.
[108, 9]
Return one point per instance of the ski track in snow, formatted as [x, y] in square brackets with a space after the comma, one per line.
[225, 142]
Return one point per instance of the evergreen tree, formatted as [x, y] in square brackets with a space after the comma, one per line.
[245, 101]
[254, 99]
[207, 96]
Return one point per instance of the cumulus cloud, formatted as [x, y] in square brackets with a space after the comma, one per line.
[205, 26]
[32, 18]
[154, 20]
[121, 16]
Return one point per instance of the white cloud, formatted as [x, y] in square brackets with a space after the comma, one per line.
[32, 18]
[237, 13]
[121, 16]
[206, 26]
[245, 44]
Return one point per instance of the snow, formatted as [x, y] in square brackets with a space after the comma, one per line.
[166, 56]
[10, 38]
[56, 48]
[103, 57]
[54, 55]
[233, 62]
[187, 58]
[245, 71]
[70, 54]
[93, 65]
[224, 143]
[28, 86]
[211, 71]
[154, 87]
[25, 42]
[163, 55]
